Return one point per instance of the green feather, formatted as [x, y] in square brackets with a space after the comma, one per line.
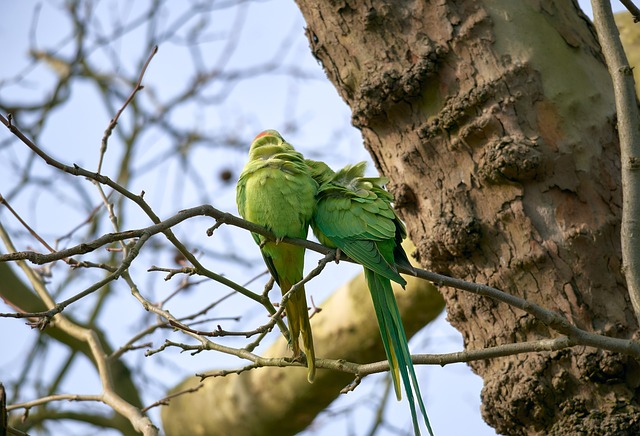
[276, 191]
[354, 214]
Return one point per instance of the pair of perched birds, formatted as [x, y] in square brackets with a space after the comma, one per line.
[286, 193]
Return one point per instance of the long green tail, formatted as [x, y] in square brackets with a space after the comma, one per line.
[395, 344]
[299, 325]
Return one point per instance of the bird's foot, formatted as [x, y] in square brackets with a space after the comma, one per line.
[300, 358]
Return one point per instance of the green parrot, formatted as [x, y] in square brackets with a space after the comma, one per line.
[354, 214]
[276, 190]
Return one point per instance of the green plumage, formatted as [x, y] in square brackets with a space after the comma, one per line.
[354, 213]
[276, 191]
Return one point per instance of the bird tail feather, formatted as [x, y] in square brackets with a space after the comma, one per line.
[396, 345]
[298, 320]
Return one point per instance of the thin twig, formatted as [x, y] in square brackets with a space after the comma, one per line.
[76, 170]
[129, 345]
[24, 224]
[322, 263]
[218, 332]
[552, 319]
[380, 408]
[226, 372]
[114, 121]
[629, 133]
[138, 420]
[86, 221]
[633, 9]
[555, 321]
[57, 397]
[204, 310]
[362, 370]
[166, 400]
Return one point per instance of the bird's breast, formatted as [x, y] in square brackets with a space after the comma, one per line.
[280, 201]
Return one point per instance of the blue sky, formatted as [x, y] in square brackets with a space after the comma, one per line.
[277, 100]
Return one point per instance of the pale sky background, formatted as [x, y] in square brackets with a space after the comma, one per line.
[452, 393]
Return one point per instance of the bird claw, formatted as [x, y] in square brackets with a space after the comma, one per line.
[301, 358]
[338, 253]
[296, 355]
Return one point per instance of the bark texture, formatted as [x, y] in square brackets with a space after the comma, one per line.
[280, 401]
[494, 120]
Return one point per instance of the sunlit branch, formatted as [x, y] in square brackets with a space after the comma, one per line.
[166, 400]
[52, 398]
[629, 134]
[109, 396]
[552, 319]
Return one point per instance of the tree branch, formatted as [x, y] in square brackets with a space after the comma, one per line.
[632, 8]
[629, 133]
[109, 395]
[552, 319]
[114, 121]
[57, 397]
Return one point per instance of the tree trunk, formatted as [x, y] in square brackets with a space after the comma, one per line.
[495, 122]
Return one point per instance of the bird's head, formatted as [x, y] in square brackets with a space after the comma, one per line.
[268, 143]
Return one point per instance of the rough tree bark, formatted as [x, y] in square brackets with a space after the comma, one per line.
[494, 120]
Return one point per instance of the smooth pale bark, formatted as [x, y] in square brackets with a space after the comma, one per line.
[279, 401]
[495, 122]
[628, 123]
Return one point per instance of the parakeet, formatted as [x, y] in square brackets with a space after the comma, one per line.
[276, 190]
[354, 214]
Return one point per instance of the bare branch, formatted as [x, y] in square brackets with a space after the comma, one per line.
[362, 370]
[629, 133]
[166, 400]
[552, 319]
[24, 224]
[138, 199]
[226, 372]
[114, 121]
[632, 8]
[51, 398]
[109, 396]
